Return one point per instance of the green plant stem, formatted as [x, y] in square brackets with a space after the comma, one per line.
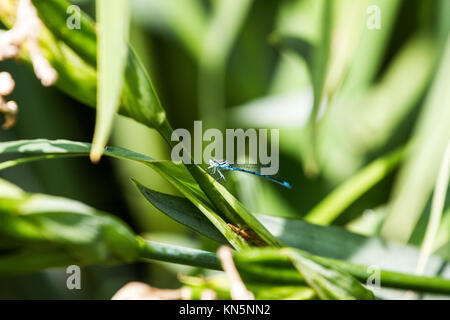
[396, 279]
[347, 193]
[179, 255]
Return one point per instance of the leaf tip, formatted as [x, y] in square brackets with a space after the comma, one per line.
[96, 154]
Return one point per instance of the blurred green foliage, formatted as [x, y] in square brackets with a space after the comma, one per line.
[344, 97]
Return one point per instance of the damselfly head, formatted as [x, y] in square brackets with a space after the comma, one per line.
[213, 162]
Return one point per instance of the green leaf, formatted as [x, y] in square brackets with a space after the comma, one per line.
[442, 243]
[369, 56]
[76, 74]
[9, 190]
[182, 211]
[113, 22]
[83, 41]
[193, 193]
[389, 107]
[319, 68]
[416, 179]
[436, 214]
[329, 281]
[55, 230]
[389, 102]
[344, 195]
[139, 100]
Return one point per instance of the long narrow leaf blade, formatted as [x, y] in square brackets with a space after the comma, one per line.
[182, 211]
[113, 22]
[233, 210]
[416, 179]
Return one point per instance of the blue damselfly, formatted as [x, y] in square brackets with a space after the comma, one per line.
[218, 166]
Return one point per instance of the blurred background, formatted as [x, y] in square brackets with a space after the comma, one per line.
[244, 64]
